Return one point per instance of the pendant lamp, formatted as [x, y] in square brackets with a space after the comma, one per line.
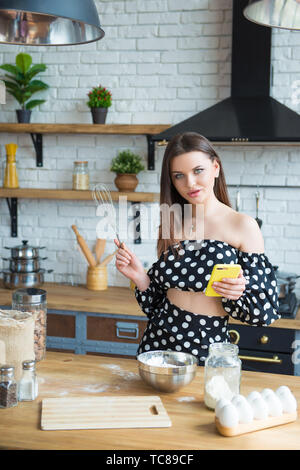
[275, 13]
[49, 22]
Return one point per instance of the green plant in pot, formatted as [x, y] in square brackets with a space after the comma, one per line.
[99, 102]
[20, 83]
[126, 165]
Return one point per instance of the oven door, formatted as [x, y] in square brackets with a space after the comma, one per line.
[266, 361]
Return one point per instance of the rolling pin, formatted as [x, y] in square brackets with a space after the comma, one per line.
[85, 249]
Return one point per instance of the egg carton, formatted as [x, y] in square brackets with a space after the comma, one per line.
[257, 411]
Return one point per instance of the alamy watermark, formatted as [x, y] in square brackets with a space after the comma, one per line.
[122, 217]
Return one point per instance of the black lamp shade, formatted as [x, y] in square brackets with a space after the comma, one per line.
[49, 22]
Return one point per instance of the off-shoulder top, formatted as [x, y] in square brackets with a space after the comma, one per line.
[191, 271]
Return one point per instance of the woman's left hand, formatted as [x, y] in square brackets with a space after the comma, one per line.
[231, 288]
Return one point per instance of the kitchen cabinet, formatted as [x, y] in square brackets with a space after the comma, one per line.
[111, 322]
[63, 375]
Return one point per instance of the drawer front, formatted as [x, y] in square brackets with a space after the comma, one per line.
[262, 338]
[116, 330]
[59, 325]
[273, 363]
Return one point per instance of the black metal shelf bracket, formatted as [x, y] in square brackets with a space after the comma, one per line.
[151, 152]
[137, 223]
[13, 212]
[37, 140]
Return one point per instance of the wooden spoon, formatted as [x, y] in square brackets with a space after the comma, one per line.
[108, 259]
[100, 247]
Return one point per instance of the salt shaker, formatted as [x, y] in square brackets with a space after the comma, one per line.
[8, 387]
[28, 385]
[222, 373]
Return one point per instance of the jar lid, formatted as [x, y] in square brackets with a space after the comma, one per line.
[80, 163]
[29, 295]
[29, 364]
[7, 369]
[223, 348]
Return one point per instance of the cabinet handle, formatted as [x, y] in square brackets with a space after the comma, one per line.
[264, 339]
[127, 327]
[235, 336]
[273, 360]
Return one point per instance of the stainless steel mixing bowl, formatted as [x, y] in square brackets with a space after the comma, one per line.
[167, 371]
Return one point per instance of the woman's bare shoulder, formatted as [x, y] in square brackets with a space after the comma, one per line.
[249, 233]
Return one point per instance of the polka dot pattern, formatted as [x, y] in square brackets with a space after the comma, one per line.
[192, 333]
[191, 271]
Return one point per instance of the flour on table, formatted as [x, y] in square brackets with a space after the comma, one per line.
[186, 399]
[117, 370]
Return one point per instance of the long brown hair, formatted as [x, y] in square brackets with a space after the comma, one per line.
[180, 144]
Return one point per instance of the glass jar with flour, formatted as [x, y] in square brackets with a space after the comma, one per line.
[222, 373]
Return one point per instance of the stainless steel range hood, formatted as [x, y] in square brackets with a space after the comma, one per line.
[249, 114]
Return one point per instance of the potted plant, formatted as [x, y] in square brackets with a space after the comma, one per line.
[126, 165]
[99, 102]
[20, 84]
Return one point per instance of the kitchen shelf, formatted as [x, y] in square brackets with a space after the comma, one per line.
[12, 196]
[67, 194]
[38, 130]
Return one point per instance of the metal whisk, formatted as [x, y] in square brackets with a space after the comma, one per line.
[102, 196]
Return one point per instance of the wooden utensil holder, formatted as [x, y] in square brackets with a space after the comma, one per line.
[96, 278]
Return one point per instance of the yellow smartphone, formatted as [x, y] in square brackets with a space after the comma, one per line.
[219, 272]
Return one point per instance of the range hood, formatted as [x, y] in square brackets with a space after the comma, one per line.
[249, 114]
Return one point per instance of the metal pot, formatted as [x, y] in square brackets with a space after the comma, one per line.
[16, 280]
[24, 251]
[20, 265]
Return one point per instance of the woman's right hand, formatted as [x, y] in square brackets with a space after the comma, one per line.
[128, 263]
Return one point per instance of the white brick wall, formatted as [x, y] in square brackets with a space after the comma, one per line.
[163, 60]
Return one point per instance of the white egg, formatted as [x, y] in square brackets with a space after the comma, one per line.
[266, 392]
[274, 405]
[283, 390]
[228, 416]
[289, 403]
[253, 395]
[219, 405]
[244, 409]
[260, 408]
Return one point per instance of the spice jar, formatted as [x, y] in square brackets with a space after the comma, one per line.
[34, 300]
[8, 387]
[28, 385]
[222, 373]
[81, 179]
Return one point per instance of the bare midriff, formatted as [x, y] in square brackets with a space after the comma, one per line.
[196, 302]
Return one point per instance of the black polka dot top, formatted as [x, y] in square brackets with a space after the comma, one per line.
[191, 271]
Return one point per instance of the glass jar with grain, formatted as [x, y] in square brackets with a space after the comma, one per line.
[81, 179]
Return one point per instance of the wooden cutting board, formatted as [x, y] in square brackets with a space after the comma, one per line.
[104, 412]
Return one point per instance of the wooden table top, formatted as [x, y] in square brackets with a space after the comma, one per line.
[114, 300]
[70, 375]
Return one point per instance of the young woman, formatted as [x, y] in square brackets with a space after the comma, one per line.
[171, 293]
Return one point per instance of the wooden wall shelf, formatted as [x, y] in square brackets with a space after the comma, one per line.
[123, 129]
[38, 130]
[69, 194]
[12, 196]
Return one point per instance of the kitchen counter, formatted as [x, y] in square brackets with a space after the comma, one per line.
[114, 300]
[71, 375]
